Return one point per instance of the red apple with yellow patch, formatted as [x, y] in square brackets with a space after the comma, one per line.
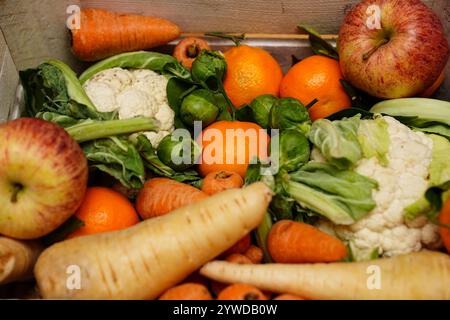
[392, 48]
[43, 177]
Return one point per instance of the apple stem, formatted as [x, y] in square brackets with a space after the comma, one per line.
[16, 188]
[375, 48]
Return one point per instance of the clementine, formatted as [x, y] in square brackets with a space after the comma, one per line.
[316, 77]
[104, 210]
[250, 72]
[231, 145]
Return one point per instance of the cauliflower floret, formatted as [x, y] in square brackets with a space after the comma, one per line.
[401, 182]
[102, 96]
[117, 79]
[134, 102]
[133, 93]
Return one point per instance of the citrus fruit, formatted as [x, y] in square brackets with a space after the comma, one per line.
[316, 77]
[104, 210]
[250, 72]
[230, 145]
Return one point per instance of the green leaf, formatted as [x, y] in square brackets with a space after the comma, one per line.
[287, 113]
[117, 157]
[158, 62]
[261, 234]
[318, 44]
[374, 139]
[337, 141]
[350, 112]
[343, 196]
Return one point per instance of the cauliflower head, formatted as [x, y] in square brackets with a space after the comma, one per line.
[133, 93]
[402, 179]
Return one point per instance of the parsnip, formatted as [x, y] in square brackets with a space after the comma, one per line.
[17, 259]
[421, 275]
[143, 261]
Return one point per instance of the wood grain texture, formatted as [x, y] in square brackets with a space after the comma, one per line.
[9, 80]
[257, 16]
[35, 30]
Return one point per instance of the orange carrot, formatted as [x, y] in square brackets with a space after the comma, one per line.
[188, 49]
[103, 34]
[241, 291]
[444, 218]
[239, 247]
[159, 196]
[219, 181]
[187, 291]
[238, 258]
[296, 242]
[255, 254]
[287, 296]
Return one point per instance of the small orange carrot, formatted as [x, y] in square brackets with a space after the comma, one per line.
[187, 291]
[239, 247]
[103, 33]
[160, 196]
[255, 254]
[296, 242]
[444, 218]
[288, 296]
[241, 291]
[188, 49]
[238, 258]
[220, 181]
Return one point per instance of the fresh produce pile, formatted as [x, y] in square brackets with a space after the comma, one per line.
[126, 181]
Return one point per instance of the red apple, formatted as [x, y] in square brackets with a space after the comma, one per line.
[43, 177]
[392, 48]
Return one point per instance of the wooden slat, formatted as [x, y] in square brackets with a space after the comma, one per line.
[257, 16]
[35, 30]
[8, 80]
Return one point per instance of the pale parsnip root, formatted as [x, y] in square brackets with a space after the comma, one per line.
[143, 261]
[17, 259]
[421, 275]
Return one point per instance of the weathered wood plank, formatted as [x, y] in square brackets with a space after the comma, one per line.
[35, 30]
[8, 80]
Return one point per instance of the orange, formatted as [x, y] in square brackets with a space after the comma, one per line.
[104, 210]
[432, 89]
[250, 72]
[230, 145]
[316, 77]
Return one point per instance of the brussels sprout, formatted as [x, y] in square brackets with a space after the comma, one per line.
[200, 105]
[293, 150]
[209, 69]
[260, 107]
[289, 113]
[178, 153]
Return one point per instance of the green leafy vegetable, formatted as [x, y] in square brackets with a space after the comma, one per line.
[423, 114]
[343, 196]
[61, 233]
[178, 154]
[209, 69]
[374, 139]
[439, 182]
[337, 141]
[155, 165]
[318, 44]
[287, 113]
[118, 157]
[293, 150]
[159, 62]
[199, 105]
[260, 108]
